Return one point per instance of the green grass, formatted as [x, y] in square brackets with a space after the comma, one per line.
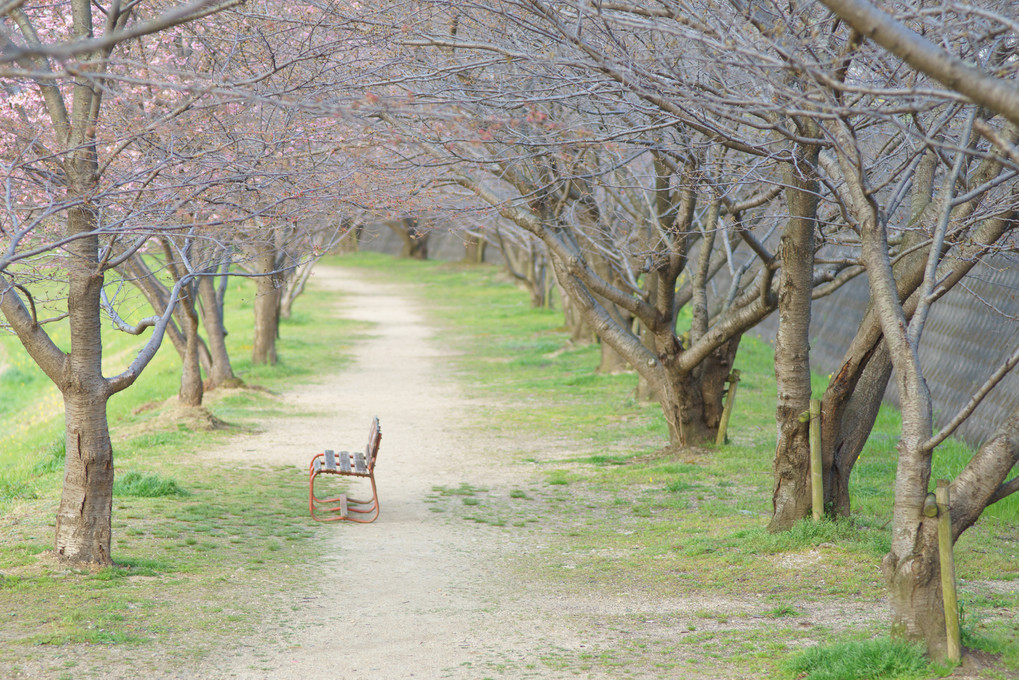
[880, 659]
[147, 486]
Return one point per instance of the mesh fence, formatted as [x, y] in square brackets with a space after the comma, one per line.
[969, 333]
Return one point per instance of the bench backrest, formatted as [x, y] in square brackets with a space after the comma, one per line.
[371, 451]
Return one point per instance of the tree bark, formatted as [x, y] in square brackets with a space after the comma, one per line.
[791, 495]
[191, 387]
[853, 397]
[267, 319]
[220, 372]
[846, 424]
[914, 589]
[84, 516]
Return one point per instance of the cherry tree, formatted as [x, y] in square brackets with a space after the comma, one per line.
[92, 172]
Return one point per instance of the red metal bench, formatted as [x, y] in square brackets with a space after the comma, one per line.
[355, 464]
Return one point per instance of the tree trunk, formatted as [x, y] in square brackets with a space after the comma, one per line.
[683, 407]
[791, 495]
[191, 388]
[914, 589]
[84, 517]
[415, 239]
[712, 374]
[573, 319]
[267, 307]
[474, 249]
[846, 423]
[220, 371]
[853, 398]
[612, 362]
[692, 402]
[645, 390]
[295, 286]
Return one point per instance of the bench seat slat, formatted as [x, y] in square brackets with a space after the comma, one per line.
[330, 461]
[345, 462]
[359, 464]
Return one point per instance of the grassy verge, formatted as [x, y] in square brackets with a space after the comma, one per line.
[690, 526]
[204, 552]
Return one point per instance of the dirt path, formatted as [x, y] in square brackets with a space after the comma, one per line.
[426, 591]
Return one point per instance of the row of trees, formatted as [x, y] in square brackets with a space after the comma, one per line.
[160, 146]
[704, 161]
[719, 161]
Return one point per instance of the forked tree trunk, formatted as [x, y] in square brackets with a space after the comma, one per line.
[712, 375]
[692, 402]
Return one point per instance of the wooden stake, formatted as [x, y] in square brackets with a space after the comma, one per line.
[948, 571]
[730, 399]
[816, 474]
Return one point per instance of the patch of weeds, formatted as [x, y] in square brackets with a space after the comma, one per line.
[14, 486]
[807, 534]
[143, 566]
[879, 659]
[558, 478]
[991, 637]
[679, 485]
[464, 489]
[520, 493]
[781, 612]
[147, 486]
[606, 460]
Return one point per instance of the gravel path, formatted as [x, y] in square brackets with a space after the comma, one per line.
[430, 595]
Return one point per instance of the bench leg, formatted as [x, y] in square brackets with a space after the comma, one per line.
[346, 505]
[314, 500]
[364, 507]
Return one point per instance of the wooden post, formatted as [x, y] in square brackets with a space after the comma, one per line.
[948, 571]
[730, 399]
[816, 474]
